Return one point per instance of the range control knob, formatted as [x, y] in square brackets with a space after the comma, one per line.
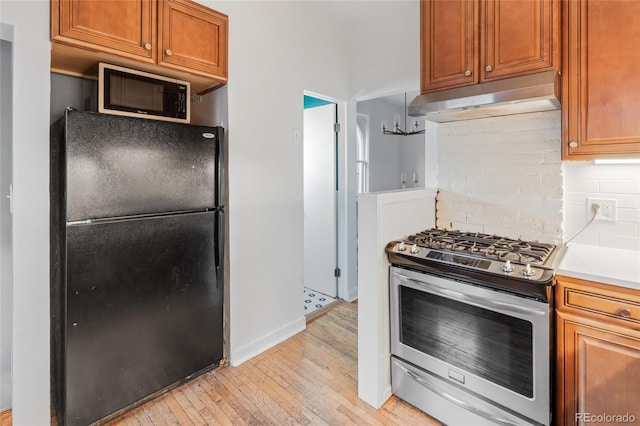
[402, 246]
[414, 249]
[528, 271]
[508, 267]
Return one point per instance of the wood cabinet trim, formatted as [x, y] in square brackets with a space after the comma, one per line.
[607, 290]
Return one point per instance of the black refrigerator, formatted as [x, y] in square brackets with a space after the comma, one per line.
[137, 238]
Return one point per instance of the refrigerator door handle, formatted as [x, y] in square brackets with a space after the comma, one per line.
[10, 197]
[219, 246]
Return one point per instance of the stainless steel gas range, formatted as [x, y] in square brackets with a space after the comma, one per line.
[471, 326]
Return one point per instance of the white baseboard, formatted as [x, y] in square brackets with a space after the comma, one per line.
[245, 353]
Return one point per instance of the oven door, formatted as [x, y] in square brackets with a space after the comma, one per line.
[491, 343]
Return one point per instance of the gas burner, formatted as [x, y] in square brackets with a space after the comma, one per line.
[484, 245]
[512, 265]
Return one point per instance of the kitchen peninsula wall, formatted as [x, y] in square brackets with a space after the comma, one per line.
[504, 175]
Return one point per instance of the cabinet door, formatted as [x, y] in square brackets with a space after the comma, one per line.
[600, 101]
[126, 28]
[194, 38]
[518, 37]
[600, 372]
[449, 43]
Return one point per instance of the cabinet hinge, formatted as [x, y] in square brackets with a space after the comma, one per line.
[336, 127]
[337, 272]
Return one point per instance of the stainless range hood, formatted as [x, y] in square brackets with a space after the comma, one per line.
[516, 95]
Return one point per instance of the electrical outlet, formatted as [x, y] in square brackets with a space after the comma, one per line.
[607, 210]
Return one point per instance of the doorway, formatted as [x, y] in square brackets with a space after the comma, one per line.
[362, 153]
[6, 262]
[320, 190]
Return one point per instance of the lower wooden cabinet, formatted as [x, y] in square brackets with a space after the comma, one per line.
[598, 353]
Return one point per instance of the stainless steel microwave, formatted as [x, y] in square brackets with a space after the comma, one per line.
[124, 91]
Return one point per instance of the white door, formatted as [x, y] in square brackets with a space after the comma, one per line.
[6, 268]
[319, 148]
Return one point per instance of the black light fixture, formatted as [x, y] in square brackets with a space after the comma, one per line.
[396, 124]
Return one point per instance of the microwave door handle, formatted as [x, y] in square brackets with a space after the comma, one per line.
[435, 389]
[475, 300]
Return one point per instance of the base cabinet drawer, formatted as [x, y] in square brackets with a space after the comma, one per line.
[604, 306]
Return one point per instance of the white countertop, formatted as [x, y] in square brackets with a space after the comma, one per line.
[602, 264]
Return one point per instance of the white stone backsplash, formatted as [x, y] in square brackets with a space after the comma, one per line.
[502, 175]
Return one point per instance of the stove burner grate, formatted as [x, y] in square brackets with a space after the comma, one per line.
[485, 245]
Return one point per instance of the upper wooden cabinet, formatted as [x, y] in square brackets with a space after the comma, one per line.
[598, 351]
[600, 79]
[519, 37]
[449, 43]
[178, 38]
[125, 28]
[471, 41]
[192, 37]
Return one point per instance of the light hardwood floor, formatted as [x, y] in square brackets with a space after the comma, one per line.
[5, 418]
[309, 379]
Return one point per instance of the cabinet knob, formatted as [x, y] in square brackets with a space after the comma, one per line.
[624, 313]
[467, 73]
[168, 52]
[488, 68]
[147, 46]
[573, 144]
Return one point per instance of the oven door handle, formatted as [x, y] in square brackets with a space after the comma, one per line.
[435, 389]
[475, 300]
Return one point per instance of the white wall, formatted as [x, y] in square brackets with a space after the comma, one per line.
[384, 58]
[278, 49]
[620, 182]
[31, 55]
[502, 176]
[384, 48]
[276, 53]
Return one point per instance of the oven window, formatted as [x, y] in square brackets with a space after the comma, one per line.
[494, 346]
